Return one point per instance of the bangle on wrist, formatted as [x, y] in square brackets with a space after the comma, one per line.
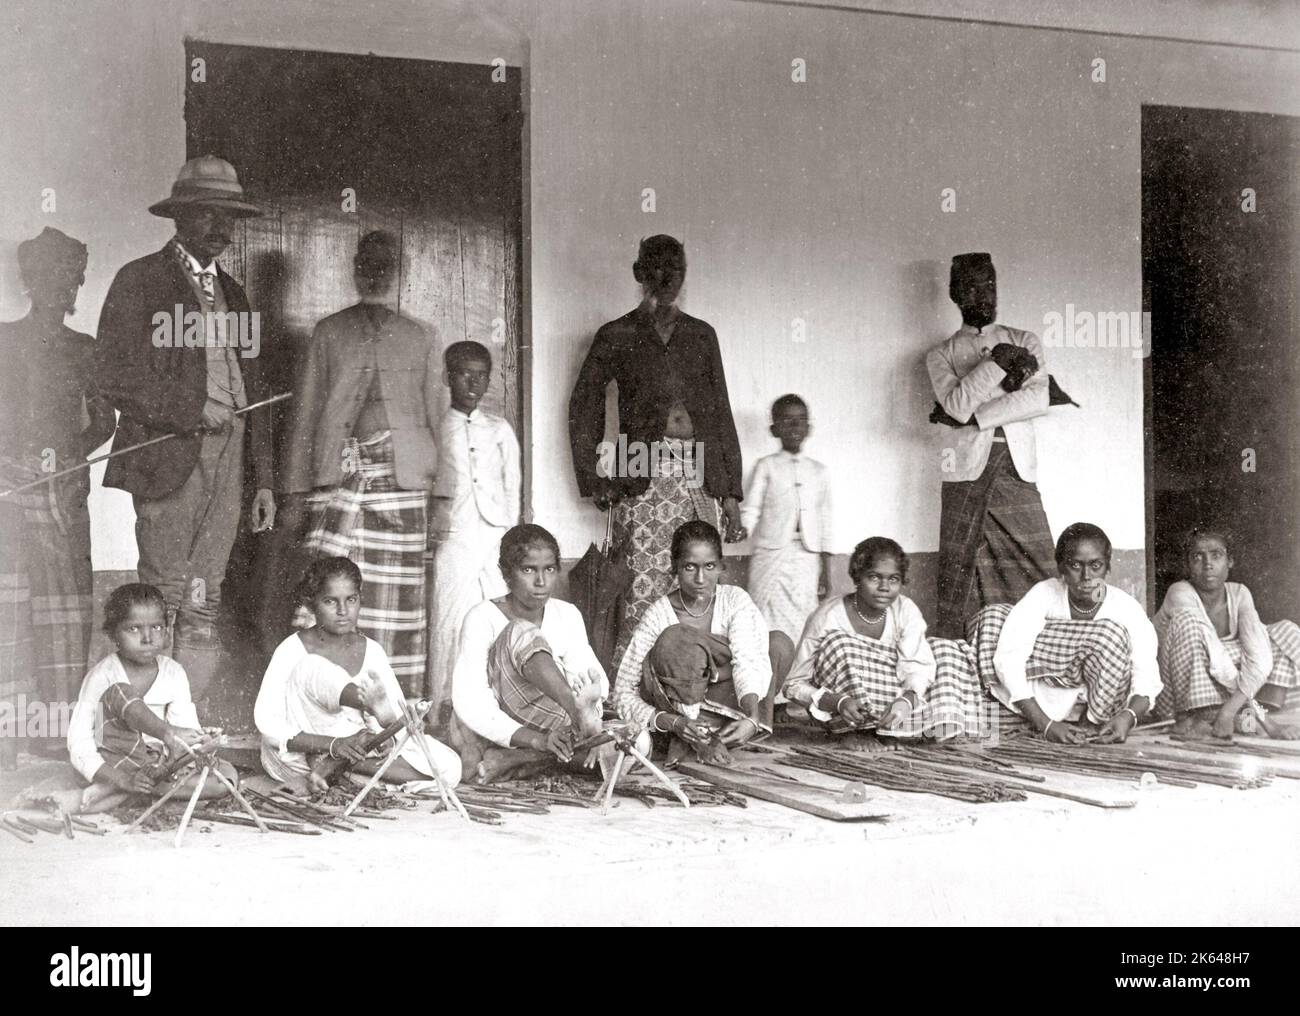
[1048, 727]
[1131, 712]
[331, 748]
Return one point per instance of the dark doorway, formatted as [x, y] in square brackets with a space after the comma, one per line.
[1220, 283]
[334, 145]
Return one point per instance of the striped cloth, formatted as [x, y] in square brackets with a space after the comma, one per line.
[46, 606]
[994, 542]
[644, 527]
[383, 530]
[522, 701]
[1185, 662]
[1094, 655]
[866, 668]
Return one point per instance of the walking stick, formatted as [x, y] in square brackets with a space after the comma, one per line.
[133, 448]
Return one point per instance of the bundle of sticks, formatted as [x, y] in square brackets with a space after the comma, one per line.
[27, 823]
[1119, 764]
[897, 771]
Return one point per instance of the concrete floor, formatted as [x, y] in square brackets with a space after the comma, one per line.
[1039, 862]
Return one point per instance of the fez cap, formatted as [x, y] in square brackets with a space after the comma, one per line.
[963, 264]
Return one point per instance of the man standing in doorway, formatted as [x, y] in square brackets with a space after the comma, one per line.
[187, 491]
[994, 541]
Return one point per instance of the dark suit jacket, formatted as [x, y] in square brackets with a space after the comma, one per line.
[650, 377]
[162, 390]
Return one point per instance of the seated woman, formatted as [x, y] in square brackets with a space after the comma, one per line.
[1217, 657]
[525, 675]
[1076, 655]
[703, 648]
[864, 658]
[328, 689]
[134, 715]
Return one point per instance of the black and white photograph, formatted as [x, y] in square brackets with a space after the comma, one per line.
[653, 463]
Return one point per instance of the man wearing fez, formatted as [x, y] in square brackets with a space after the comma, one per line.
[672, 397]
[188, 490]
[994, 541]
[362, 450]
[46, 391]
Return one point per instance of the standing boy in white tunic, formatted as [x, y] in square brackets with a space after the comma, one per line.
[475, 500]
[788, 510]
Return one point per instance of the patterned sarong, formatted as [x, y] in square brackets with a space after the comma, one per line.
[1185, 662]
[521, 700]
[994, 542]
[644, 527]
[1095, 655]
[848, 663]
[46, 607]
[783, 585]
[383, 529]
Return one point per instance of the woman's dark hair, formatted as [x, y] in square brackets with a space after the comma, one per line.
[321, 571]
[695, 531]
[871, 550]
[134, 594]
[1220, 533]
[518, 541]
[1076, 533]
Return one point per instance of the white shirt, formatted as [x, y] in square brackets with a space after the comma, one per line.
[1244, 624]
[168, 697]
[904, 630]
[478, 471]
[788, 499]
[734, 616]
[968, 384]
[472, 696]
[1047, 601]
[280, 715]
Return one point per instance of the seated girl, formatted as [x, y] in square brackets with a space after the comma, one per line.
[1076, 656]
[1216, 656]
[864, 658]
[700, 653]
[527, 685]
[134, 715]
[328, 689]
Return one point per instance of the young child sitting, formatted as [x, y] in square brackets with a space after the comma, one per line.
[787, 511]
[328, 689]
[526, 676]
[864, 659]
[1216, 656]
[475, 500]
[134, 715]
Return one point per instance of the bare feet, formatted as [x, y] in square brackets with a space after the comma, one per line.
[1280, 731]
[506, 763]
[1196, 723]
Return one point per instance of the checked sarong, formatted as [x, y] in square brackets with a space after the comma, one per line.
[866, 668]
[1185, 663]
[1095, 655]
[382, 529]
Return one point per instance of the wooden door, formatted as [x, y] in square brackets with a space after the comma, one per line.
[332, 146]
